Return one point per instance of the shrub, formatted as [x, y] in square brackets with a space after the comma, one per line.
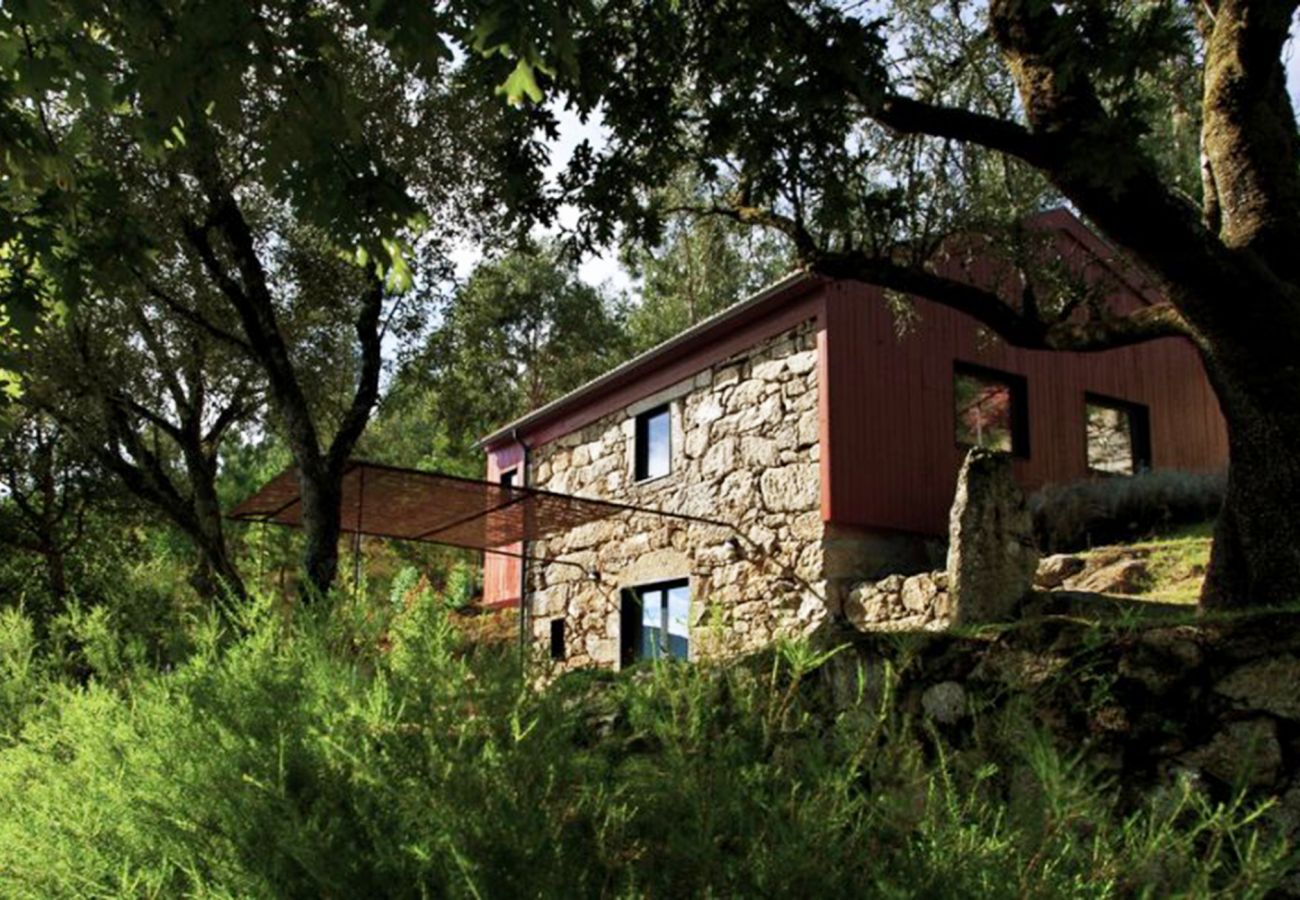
[307, 759]
[1106, 510]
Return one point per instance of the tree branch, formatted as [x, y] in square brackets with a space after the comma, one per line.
[367, 392]
[1020, 329]
[909, 116]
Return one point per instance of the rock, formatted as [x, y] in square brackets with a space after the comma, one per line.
[992, 557]
[860, 605]
[891, 584]
[1269, 685]
[1126, 576]
[802, 363]
[945, 702]
[918, 593]
[1248, 750]
[1053, 570]
[790, 488]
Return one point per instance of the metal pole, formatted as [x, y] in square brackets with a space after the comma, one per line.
[356, 535]
[523, 562]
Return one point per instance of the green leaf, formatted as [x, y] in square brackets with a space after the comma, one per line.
[521, 83]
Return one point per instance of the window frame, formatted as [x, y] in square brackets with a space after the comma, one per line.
[1139, 419]
[641, 443]
[1019, 385]
[631, 620]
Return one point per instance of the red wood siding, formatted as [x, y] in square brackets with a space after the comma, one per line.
[501, 573]
[891, 449]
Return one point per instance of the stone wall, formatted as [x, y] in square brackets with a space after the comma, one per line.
[745, 451]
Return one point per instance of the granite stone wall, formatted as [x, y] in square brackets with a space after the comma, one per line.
[745, 453]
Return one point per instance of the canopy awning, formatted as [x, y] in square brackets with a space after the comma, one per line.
[414, 505]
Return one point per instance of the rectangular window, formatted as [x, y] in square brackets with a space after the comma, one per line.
[1119, 436]
[655, 622]
[991, 409]
[653, 443]
[508, 478]
[557, 640]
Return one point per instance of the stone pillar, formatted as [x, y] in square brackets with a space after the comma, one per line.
[992, 555]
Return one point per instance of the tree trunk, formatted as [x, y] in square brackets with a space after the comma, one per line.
[1255, 560]
[56, 573]
[321, 496]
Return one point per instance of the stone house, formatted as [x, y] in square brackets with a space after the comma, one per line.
[806, 442]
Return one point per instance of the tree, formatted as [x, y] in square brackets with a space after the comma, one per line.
[46, 490]
[152, 398]
[840, 133]
[521, 331]
[699, 267]
[147, 142]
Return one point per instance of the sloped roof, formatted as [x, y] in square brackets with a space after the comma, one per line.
[791, 285]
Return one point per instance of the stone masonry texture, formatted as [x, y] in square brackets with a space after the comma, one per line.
[745, 451]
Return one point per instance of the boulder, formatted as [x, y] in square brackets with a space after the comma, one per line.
[1054, 570]
[1246, 750]
[1125, 576]
[1267, 684]
[992, 556]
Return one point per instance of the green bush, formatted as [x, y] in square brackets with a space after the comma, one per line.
[348, 754]
[1107, 510]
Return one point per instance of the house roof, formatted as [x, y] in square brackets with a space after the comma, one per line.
[794, 284]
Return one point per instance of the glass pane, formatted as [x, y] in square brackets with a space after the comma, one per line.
[658, 444]
[1110, 440]
[679, 629]
[984, 411]
[652, 617]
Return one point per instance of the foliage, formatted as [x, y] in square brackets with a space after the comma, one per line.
[521, 331]
[1111, 510]
[699, 267]
[349, 753]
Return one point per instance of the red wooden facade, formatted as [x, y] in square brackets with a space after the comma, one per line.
[889, 450]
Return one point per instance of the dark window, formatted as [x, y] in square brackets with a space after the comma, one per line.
[557, 639]
[653, 443]
[508, 478]
[1119, 436]
[655, 622]
[991, 409]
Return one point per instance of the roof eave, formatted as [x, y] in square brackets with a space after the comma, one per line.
[647, 359]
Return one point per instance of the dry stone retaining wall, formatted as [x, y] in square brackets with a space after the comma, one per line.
[745, 451]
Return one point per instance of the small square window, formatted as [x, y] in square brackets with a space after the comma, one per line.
[558, 651]
[655, 622]
[1119, 436]
[653, 457]
[991, 409]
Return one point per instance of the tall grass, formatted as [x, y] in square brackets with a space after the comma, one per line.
[347, 753]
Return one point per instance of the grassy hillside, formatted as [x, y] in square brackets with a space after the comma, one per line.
[1176, 562]
[376, 753]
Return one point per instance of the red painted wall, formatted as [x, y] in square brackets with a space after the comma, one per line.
[501, 573]
[889, 407]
